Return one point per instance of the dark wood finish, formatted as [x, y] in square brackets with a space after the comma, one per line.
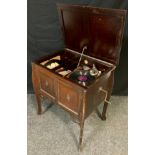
[109, 90]
[68, 97]
[47, 85]
[101, 31]
[36, 89]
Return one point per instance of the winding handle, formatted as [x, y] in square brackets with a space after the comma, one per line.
[100, 89]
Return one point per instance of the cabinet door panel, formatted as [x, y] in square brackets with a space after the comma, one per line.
[68, 97]
[47, 84]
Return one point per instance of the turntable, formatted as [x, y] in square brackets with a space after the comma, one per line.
[80, 77]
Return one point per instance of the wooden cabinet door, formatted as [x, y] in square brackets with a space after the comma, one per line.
[68, 97]
[47, 85]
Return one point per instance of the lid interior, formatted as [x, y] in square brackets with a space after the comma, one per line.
[101, 30]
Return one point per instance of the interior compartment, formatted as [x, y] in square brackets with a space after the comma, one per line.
[66, 62]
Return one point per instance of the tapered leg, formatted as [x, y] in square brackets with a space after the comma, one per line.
[36, 90]
[39, 107]
[81, 134]
[82, 122]
[103, 116]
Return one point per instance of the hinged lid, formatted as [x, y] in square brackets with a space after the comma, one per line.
[101, 30]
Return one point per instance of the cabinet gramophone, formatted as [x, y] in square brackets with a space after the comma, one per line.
[80, 77]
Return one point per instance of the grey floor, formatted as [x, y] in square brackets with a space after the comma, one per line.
[54, 132]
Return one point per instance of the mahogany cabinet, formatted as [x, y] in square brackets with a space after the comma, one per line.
[92, 37]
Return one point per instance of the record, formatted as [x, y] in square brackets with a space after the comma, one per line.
[82, 77]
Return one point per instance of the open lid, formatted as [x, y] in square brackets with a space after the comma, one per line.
[100, 29]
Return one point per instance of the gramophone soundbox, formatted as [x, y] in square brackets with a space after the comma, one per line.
[80, 77]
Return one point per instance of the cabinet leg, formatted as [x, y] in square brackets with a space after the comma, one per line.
[103, 116]
[36, 90]
[81, 134]
[39, 108]
[82, 125]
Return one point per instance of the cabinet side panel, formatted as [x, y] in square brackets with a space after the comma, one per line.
[94, 96]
